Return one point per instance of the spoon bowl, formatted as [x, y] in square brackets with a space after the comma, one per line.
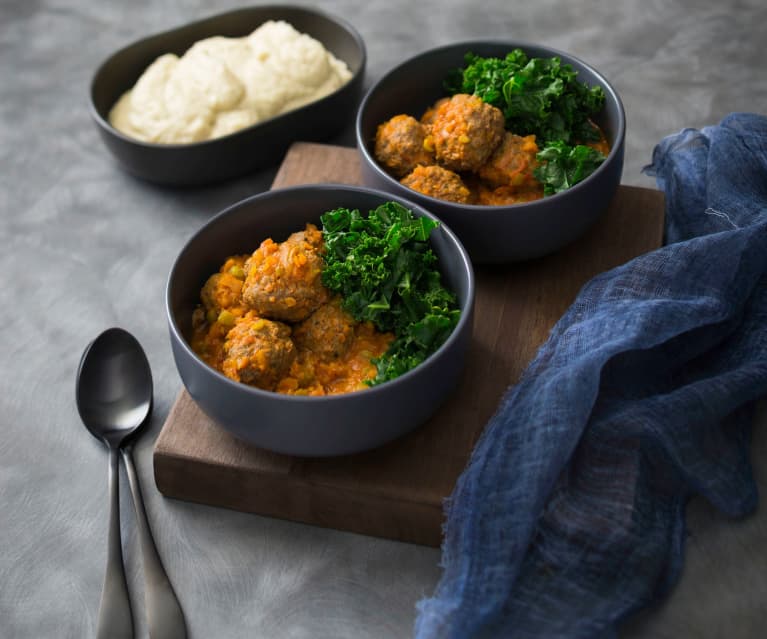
[114, 399]
[114, 387]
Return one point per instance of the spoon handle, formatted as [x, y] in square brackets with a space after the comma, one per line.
[164, 615]
[115, 619]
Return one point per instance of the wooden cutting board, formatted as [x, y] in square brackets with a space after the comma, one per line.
[397, 491]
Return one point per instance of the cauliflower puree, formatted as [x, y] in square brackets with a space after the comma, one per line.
[221, 85]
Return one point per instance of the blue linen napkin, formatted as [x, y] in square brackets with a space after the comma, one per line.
[570, 513]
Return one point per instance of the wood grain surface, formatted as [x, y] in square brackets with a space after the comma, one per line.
[397, 491]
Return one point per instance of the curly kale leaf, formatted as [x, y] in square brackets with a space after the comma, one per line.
[386, 272]
[540, 96]
[561, 166]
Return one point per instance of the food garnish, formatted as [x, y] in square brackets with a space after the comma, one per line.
[561, 166]
[385, 271]
[541, 97]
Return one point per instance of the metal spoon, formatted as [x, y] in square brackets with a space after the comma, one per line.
[114, 399]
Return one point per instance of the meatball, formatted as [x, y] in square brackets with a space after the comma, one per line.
[427, 119]
[439, 183]
[221, 291]
[466, 131]
[328, 332]
[399, 145]
[258, 351]
[283, 279]
[512, 163]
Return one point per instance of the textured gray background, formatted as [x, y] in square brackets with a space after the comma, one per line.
[85, 247]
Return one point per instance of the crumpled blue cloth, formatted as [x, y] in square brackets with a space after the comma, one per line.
[570, 513]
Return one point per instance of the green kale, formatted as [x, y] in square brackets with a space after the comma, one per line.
[540, 96]
[386, 272]
[561, 166]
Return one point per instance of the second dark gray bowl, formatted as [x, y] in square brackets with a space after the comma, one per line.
[258, 146]
[493, 234]
[300, 425]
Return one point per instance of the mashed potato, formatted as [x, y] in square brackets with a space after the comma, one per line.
[221, 85]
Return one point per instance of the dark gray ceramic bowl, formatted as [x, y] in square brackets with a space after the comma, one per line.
[311, 426]
[255, 147]
[493, 234]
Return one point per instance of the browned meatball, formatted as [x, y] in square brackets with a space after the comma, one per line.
[328, 332]
[399, 145]
[466, 131]
[258, 351]
[427, 119]
[221, 291]
[438, 182]
[283, 279]
[512, 163]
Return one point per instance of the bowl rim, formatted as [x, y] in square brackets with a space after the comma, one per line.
[485, 209]
[309, 11]
[285, 192]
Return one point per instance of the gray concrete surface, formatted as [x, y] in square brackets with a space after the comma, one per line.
[85, 246]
